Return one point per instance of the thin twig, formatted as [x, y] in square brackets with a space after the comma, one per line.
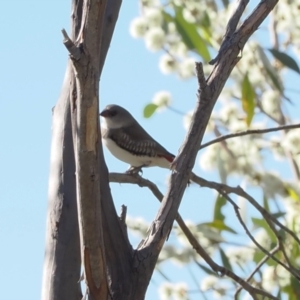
[239, 191]
[248, 132]
[231, 28]
[236, 209]
[258, 266]
[224, 190]
[137, 179]
[281, 245]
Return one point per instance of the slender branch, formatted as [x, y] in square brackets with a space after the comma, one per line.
[282, 246]
[223, 143]
[236, 209]
[136, 179]
[258, 266]
[239, 191]
[248, 132]
[236, 16]
[231, 28]
[225, 190]
[175, 110]
[142, 182]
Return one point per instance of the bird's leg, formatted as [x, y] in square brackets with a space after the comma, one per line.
[135, 170]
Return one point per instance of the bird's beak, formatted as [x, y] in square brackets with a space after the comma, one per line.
[104, 113]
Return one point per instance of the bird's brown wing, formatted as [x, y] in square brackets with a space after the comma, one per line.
[138, 142]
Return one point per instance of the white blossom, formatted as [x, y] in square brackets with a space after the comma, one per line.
[193, 12]
[229, 112]
[239, 255]
[187, 68]
[138, 27]
[178, 48]
[271, 184]
[268, 282]
[162, 99]
[150, 3]
[292, 141]
[209, 158]
[166, 290]
[208, 283]
[155, 38]
[154, 17]
[167, 64]
[180, 291]
[271, 101]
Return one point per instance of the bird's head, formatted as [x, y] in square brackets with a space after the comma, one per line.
[116, 116]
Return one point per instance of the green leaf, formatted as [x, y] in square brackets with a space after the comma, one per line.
[205, 29]
[225, 260]
[292, 193]
[271, 72]
[295, 286]
[262, 223]
[248, 97]
[220, 225]
[189, 33]
[205, 269]
[266, 204]
[275, 79]
[210, 233]
[278, 214]
[258, 256]
[286, 60]
[225, 3]
[149, 110]
[221, 168]
[220, 202]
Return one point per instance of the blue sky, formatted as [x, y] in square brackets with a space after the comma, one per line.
[33, 62]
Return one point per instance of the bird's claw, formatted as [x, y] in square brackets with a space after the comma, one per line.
[135, 170]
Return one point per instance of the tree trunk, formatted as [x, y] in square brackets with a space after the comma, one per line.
[62, 255]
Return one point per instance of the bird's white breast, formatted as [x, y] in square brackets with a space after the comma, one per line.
[134, 160]
[127, 157]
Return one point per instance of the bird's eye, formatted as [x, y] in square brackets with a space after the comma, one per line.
[112, 113]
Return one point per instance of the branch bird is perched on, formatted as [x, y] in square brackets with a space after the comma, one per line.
[126, 139]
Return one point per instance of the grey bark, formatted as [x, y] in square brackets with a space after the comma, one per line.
[62, 254]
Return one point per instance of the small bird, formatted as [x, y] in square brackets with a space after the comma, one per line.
[127, 140]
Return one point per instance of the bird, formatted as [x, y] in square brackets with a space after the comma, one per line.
[129, 142]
